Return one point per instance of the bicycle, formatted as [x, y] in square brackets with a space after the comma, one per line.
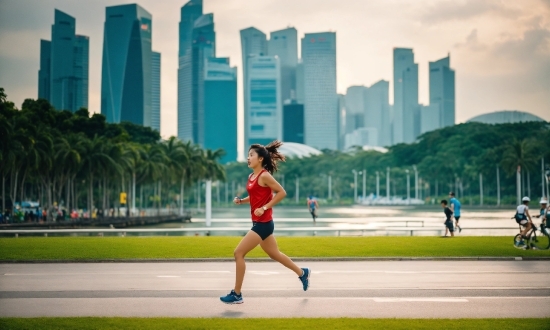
[534, 242]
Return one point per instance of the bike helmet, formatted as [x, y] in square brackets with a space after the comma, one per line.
[526, 199]
[543, 201]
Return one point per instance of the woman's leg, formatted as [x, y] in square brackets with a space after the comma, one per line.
[269, 245]
[249, 242]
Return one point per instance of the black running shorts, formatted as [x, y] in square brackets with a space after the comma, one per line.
[263, 229]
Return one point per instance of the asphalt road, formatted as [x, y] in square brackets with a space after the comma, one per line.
[404, 289]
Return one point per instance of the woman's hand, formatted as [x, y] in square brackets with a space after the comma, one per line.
[259, 212]
[237, 200]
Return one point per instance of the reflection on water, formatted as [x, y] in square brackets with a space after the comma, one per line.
[475, 222]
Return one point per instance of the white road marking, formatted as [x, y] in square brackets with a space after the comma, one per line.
[263, 273]
[168, 276]
[208, 271]
[392, 300]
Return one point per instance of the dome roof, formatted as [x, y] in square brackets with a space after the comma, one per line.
[505, 117]
[292, 149]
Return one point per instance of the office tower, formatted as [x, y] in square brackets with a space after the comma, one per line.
[126, 77]
[355, 107]
[300, 84]
[293, 122]
[263, 114]
[341, 121]
[284, 44]
[364, 136]
[155, 91]
[63, 74]
[405, 96]
[442, 90]
[188, 15]
[220, 107]
[377, 111]
[320, 97]
[429, 118]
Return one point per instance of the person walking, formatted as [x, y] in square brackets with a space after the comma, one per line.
[449, 226]
[455, 207]
[312, 206]
[260, 186]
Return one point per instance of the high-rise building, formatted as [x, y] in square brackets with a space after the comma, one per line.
[355, 107]
[293, 122]
[429, 118]
[300, 84]
[220, 107]
[406, 118]
[320, 96]
[364, 136]
[442, 90]
[284, 44]
[126, 77]
[63, 74]
[377, 111]
[155, 90]
[341, 121]
[263, 114]
[189, 14]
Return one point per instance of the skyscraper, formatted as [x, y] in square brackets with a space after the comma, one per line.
[189, 14]
[355, 107]
[320, 97]
[63, 74]
[263, 114]
[293, 122]
[155, 90]
[377, 111]
[126, 77]
[300, 84]
[442, 90]
[204, 47]
[406, 118]
[220, 107]
[284, 45]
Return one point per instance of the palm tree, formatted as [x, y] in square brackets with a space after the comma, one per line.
[520, 154]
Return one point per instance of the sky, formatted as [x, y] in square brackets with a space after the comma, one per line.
[499, 49]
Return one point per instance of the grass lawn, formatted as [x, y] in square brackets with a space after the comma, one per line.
[94, 248]
[298, 323]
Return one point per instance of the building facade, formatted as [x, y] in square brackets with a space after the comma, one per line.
[377, 111]
[284, 45]
[293, 122]
[189, 13]
[64, 65]
[320, 96]
[126, 80]
[442, 90]
[355, 107]
[406, 117]
[155, 90]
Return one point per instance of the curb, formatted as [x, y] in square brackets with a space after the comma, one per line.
[189, 260]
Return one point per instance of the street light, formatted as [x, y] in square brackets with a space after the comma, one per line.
[388, 183]
[377, 184]
[364, 172]
[415, 182]
[408, 188]
[354, 185]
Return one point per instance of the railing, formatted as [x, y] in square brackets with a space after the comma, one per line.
[239, 230]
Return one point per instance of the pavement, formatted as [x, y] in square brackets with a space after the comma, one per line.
[374, 289]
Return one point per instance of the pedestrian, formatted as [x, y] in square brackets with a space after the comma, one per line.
[260, 186]
[449, 225]
[455, 207]
[312, 205]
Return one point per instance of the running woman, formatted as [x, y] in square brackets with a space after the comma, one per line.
[312, 206]
[260, 186]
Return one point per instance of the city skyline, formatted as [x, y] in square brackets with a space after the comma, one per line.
[486, 28]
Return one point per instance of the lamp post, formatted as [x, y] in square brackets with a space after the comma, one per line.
[498, 186]
[354, 185]
[388, 183]
[377, 184]
[408, 188]
[364, 183]
[415, 182]
[330, 187]
[480, 189]
[297, 190]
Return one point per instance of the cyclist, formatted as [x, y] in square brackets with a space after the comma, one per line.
[523, 217]
[544, 212]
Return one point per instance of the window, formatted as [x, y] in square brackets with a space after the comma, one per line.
[257, 128]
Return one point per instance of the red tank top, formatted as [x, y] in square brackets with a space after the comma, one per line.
[259, 196]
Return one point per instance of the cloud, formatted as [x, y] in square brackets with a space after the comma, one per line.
[472, 42]
[445, 11]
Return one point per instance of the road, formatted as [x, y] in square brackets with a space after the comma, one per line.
[377, 289]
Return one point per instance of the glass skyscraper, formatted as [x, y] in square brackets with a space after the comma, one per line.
[155, 91]
[320, 97]
[284, 45]
[126, 77]
[406, 115]
[220, 107]
[377, 111]
[63, 74]
[263, 114]
[188, 15]
[442, 90]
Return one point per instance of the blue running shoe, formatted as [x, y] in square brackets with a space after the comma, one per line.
[232, 298]
[305, 278]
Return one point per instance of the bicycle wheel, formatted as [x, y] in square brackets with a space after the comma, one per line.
[518, 242]
[541, 241]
